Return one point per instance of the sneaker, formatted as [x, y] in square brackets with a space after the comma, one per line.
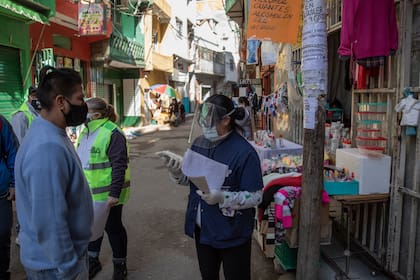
[17, 241]
[94, 267]
[120, 271]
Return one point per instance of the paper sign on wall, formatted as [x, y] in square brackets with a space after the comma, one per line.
[277, 21]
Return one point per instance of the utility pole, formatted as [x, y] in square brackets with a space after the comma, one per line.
[314, 73]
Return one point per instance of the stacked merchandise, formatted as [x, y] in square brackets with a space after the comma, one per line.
[370, 119]
[265, 226]
[277, 223]
[282, 164]
[336, 136]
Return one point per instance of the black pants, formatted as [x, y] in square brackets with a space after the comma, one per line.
[6, 220]
[116, 232]
[236, 261]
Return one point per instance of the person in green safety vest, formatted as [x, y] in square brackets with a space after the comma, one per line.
[23, 117]
[103, 151]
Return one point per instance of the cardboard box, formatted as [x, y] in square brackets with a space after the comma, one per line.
[292, 234]
[372, 171]
[325, 213]
[264, 232]
[265, 242]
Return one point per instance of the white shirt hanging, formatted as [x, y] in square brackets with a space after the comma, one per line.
[411, 109]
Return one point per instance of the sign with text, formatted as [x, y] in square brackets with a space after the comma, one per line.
[91, 19]
[246, 82]
[275, 20]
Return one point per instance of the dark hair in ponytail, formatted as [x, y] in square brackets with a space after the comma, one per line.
[99, 105]
[55, 81]
[226, 103]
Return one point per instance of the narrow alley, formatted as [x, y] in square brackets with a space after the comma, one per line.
[154, 218]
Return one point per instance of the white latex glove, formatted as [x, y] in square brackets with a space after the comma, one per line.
[211, 198]
[173, 161]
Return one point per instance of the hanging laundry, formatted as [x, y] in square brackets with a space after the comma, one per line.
[252, 51]
[269, 52]
[363, 74]
[369, 29]
[410, 107]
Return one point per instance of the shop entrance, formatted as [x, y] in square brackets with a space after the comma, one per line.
[11, 89]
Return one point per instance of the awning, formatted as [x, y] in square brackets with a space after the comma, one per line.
[235, 10]
[229, 4]
[23, 11]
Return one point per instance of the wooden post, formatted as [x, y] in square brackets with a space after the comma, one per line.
[312, 185]
[314, 74]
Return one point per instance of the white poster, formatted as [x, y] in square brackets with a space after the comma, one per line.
[269, 52]
[310, 104]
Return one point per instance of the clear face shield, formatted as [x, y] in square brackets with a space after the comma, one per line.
[204, 128]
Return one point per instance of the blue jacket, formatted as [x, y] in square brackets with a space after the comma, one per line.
[8, 149]
[218, 230]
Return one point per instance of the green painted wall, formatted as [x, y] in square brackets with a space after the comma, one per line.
[15, 34]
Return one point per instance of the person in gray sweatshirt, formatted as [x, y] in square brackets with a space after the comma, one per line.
[54, 204]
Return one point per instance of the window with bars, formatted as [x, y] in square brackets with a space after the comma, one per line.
[179, 26]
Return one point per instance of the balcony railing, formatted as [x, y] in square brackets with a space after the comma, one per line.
[179, 76]
[204, 66]
[210, 61]
[126, 50]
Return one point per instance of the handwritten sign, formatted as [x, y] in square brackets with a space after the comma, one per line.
[275, 20]
[91, 19]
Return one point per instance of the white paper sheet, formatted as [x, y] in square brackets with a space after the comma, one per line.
[197, 165]
[101, 212]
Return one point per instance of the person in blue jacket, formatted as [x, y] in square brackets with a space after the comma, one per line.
[8, 148]
[221, 221]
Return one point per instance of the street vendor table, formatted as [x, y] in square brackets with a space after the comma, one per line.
[288, 147]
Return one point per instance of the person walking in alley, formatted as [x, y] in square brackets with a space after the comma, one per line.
[221, 219]
[174, 112]
[102, 148]
[54, 204]
[8, 148]
[23, 117]
[245, 121]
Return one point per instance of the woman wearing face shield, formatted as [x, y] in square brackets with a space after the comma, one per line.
[103, 151]
[221, 221]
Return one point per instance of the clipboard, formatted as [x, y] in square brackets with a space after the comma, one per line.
[200, 183]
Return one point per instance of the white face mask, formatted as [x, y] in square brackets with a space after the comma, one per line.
[210, 133]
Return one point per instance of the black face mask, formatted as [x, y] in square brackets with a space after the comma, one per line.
[36, 104]
[77, 114]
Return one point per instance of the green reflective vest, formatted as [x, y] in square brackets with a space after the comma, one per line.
[24, 109]
[99, 171]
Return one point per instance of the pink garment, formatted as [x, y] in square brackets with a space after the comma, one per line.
[369, 28]
[283, 211]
